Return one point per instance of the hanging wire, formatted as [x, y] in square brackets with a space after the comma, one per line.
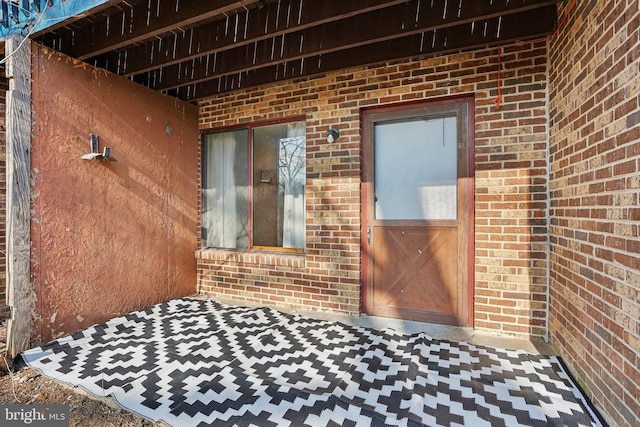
[34, 26]
[498, 101]
[560, 25]
[31, 31]
[11, 375]
[32, 22]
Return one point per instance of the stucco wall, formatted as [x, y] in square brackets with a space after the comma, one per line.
[511, 240]
[594, 69]
[108, 237]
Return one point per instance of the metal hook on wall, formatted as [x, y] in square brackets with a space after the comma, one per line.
[95, 151]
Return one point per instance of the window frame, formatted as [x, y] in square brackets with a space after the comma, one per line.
[249, 128]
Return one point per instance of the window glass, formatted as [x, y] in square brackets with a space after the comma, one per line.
[279, 173]
[276, 209]
[416, 169]
[225, 190]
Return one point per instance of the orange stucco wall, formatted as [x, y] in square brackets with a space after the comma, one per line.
[108, 237]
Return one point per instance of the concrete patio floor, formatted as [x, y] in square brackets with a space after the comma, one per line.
[443, 332]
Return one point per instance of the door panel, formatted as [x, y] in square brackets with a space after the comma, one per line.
[418, 187]
[413, 269]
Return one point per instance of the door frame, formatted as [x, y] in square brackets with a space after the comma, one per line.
[366, 191]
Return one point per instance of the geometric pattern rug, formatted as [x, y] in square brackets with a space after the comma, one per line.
[193, 362]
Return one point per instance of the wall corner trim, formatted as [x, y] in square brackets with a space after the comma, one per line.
[19, 291]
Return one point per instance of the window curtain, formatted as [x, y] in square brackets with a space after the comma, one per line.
[293, 176]
[220, 219]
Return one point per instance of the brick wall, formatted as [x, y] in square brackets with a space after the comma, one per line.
[511, 184]
[594, 71]
[4, 86]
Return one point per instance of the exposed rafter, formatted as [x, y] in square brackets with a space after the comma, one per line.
[439, 41]
[388, 24]
[141, 21]
[247, 27]
[193, 48]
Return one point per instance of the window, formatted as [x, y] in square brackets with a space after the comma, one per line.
[253, 182]
[416, 169]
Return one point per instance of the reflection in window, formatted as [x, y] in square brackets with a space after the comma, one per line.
[277, 190]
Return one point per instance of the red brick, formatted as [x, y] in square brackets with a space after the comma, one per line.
[593, 142]
[426, 81]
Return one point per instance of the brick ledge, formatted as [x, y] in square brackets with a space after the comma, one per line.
[260, 258]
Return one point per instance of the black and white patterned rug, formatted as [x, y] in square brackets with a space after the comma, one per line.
[192, 362]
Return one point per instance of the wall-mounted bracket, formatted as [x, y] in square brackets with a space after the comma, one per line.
[95, 151]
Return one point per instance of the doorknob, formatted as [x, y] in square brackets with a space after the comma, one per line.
[368, 234]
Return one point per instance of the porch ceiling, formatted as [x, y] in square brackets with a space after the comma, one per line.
[192, 49]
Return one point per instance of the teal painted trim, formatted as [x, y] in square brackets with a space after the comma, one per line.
[26, 17]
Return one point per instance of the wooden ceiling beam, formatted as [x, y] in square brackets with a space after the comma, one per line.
[400, 21]
[73, 19]
[251, 26]
[136, 23]
[533, 23]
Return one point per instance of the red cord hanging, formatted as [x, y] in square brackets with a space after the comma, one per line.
[560, 25]
[498, 101]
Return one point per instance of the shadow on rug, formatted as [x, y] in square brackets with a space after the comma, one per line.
[192, 362]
